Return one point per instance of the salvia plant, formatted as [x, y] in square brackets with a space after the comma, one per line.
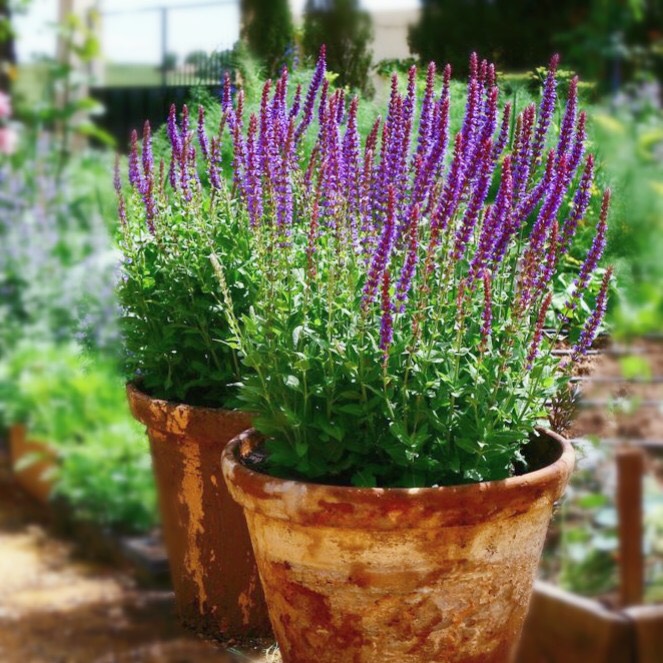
[389, 295]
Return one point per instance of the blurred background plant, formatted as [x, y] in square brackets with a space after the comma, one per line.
[59, 339]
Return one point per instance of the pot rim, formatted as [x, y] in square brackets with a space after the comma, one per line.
[171, 416]
[463, 504]
[135, 392]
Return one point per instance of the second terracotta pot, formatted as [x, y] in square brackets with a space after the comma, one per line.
[214, 575]
[34, 464]
[363, 575]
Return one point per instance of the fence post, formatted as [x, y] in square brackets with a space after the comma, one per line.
[630, 467]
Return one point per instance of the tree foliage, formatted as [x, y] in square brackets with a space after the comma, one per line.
[347, 31]
[268, 30]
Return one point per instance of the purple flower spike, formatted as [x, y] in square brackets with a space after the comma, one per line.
[226, 93]
[174, 133]
[314, 87]
[598, 246]
[387, 320]
[538, 332]
[382, 252]
[522, 152]
[579, 143]
[297, 101]
[351, 159]
[496, 231]
[202, 134]
[545, 110]
[503, 135]
[426, 116]
[591, 328]
[135, 178]
[214, 160]
[148, 157]
[569, 121]
[410, 264]
[476, 203]
[580, 204]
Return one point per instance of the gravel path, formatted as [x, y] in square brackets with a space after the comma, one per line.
[55, 608]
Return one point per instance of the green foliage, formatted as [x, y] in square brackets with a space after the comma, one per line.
[268, 31]
[174, 327]
[614, 40]
[77, 405]
[346, 31]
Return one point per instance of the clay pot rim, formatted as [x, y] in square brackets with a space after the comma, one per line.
[544, 478]
[179, 418]
[134, 392]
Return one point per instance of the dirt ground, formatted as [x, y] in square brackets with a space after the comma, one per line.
[55, 608]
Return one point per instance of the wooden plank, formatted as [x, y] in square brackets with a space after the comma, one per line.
[630, 468]
[564, 628]
[648, 625]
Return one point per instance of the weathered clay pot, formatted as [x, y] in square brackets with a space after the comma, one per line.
[392, 575]
[37, 477]
[214, 575]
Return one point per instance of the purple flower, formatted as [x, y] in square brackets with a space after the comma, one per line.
[174, 133]
[523, 151]
[410, 264]
[297, 101]
[476, 203]
[579, 143]
[148, 157]
[502, 137]
[545, 110]
[568, 123]
[495, 232]
[591, 328]
[598, 246]
[580, 204]
[213, 167]
[135, 178]
[314, 87]
[202, 135]
[382, 252]
[351, 163]
[591, 260]
[426, 115]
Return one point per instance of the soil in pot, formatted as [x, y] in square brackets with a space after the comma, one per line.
[216, 583]
[398, 575]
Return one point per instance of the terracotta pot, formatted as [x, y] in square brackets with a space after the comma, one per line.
[364, 575]
[37, 477]
[213, 570]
